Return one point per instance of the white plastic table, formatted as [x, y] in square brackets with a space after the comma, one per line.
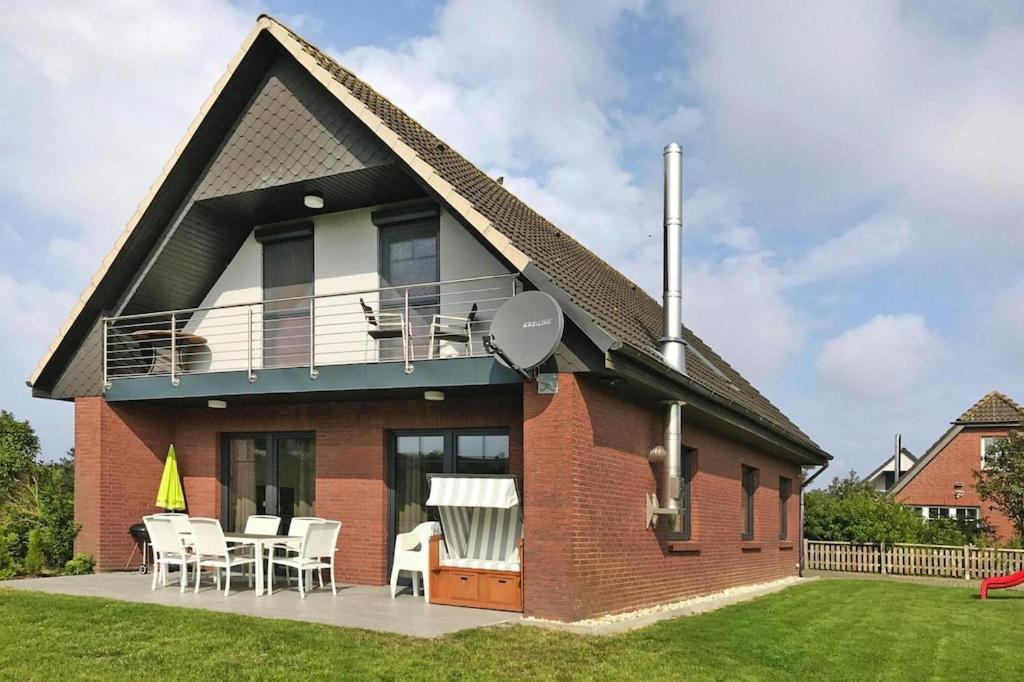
[259, 543]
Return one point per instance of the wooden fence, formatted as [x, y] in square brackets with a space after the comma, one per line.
[938, 561]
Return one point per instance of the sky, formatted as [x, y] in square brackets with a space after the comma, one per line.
[853, 171]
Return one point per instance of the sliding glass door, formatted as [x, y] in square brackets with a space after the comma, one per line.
[267, 473]
[414, 454]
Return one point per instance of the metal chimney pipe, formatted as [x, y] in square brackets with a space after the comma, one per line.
[673, 348]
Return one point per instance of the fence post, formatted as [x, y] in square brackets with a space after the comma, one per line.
[881, 556]
[967, 570]
[807, 557]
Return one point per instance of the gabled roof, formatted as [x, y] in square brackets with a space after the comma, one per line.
[891, 460]
[525, 238]
[994, 409]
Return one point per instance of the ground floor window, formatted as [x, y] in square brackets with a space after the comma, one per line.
[267, 473]
[749, 481]
[414, 454]
[964, 514]
[684, 520]
[785, 490]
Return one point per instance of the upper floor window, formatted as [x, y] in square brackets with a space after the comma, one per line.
[410, 254]
[287, 274]
[986, 444]
[749, 482]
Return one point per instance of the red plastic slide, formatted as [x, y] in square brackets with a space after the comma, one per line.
[1000, 582]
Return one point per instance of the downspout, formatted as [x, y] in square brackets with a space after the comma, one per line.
[673, 347]
[802, 558]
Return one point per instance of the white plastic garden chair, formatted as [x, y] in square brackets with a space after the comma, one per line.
[168, 550]
[316, 553]
[412, 554]
[296, 529]
[212, 550]
[181, 525]
[262, 524]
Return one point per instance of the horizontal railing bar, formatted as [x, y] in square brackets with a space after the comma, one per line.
[120, 318]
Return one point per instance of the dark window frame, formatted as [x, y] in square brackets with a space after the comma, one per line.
[684, 521]
[748, 488]
[448, 461]
[785, 492]
[224, 474]
[291, 311]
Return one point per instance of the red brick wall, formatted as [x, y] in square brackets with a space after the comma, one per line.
[586, 469]
[351, 441]
[933, 485]
[119, 455]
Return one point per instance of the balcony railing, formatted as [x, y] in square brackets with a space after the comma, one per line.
[396, 324]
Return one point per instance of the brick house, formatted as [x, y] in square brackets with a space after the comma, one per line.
[243, 316]
[941, 483]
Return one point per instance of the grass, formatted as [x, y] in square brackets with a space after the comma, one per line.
[826, 629]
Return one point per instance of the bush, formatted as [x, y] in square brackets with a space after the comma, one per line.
[852, 510]
[34, 558]
[81, 564]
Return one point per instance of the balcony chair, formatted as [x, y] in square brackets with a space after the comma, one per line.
[412, 554]
[454, 329]
[317, 553]
[386, 325]
[168, 550]
[212, 550]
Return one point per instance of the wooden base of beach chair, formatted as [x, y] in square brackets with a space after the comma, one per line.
[473, 587]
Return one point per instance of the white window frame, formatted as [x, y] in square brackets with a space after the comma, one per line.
[986, 442]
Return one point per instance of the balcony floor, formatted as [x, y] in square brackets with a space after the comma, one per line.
[356, 606]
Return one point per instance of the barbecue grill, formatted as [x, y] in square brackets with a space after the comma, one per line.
[141, 537]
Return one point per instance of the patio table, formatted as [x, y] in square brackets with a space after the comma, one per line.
[259, 543]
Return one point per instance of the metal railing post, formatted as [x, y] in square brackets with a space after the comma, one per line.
[174, 350]
[106, 354]
[252, 376]
[313, 372]
[407, 345]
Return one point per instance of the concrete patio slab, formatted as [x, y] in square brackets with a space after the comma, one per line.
[356, 606]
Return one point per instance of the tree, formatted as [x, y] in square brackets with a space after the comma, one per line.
[1001, 482]
[19, 448]
[851, 510]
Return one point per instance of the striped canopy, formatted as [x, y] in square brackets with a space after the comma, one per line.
[480, 519]
[494, 492]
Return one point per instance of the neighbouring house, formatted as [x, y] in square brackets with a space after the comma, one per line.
[300, 305]
[884, 477]
[941, 484]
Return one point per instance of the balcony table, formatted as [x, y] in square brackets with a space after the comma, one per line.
[155, 348]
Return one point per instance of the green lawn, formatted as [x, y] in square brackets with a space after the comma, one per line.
[826, 629]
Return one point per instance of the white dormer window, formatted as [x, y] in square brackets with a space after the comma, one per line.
[986, 443]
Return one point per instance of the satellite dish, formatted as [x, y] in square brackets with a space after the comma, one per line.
[526, 330]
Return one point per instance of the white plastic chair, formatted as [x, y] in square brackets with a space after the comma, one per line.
[261, 524]
[412, 554]
[317, 552]
[168, 550]
[212, 550]
[296, 529]
[181, 525]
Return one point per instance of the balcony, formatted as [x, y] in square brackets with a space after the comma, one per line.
[395, 325]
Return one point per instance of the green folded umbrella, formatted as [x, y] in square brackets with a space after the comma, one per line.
[171, 496]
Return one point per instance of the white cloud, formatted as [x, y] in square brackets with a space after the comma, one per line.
[879, 240]
[841, 103]
[1002, 324]
[738, 306]
[96, 95]
[884, 358]
[519, 89]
